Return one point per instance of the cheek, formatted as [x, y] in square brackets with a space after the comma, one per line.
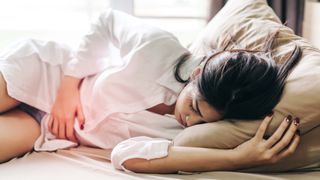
[184, 107]
[180, 104]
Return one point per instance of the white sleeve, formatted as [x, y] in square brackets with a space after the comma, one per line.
[112, 28]
[139, 147]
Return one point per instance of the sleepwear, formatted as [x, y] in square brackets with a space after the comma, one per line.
[33, 112]
[127, 66]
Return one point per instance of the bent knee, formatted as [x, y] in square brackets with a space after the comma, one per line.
[18, 132]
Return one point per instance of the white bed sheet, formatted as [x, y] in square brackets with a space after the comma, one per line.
[90, 163]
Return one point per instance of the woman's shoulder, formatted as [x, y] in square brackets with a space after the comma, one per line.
[142, 28]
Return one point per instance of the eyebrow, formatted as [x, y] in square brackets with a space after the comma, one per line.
[197, 108]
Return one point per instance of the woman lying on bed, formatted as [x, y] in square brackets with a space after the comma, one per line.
[127, 88]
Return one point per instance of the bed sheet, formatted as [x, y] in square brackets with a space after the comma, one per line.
[92, 163]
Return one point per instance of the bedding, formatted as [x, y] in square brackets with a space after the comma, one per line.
[248, 23]
[90, 163]
[236, 18]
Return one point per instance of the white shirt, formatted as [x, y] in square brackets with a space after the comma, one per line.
[127, 66]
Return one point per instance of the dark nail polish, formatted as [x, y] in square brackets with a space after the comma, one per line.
[296, 121]
[270, 114]
[289, 118]
[81, 127]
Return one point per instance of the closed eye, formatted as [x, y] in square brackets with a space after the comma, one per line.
[192, 109]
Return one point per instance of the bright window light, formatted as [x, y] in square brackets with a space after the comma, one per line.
[68, 20]
[59, 20]
[184, 18]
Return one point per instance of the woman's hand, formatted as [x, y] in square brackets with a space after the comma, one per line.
[256, 151]
[66, 108]
[282, 143]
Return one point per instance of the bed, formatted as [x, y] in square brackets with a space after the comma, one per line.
[91, 163]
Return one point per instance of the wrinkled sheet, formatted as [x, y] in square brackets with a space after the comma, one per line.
[91, 163]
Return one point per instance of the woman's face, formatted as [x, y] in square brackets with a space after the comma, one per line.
[189, 111]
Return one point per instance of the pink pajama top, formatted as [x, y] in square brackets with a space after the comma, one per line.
[127, 66]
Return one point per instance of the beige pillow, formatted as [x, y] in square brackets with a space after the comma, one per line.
[249, 22]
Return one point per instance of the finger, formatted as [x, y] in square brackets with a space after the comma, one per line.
[80, 117]
[55, 126]
[263, 127]
[291, 149]
[286, 139]
[279, 132]
[50, 122]
[62, 131]
[70, 131]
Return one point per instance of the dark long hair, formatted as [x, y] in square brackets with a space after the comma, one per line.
[240, 83]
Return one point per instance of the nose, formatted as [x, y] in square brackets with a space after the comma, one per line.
[187, 120]
[191, 120]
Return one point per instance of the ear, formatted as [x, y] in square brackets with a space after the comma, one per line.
[196, 72]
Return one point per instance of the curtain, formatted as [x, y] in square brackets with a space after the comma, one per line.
[215, 6]
[289, 11]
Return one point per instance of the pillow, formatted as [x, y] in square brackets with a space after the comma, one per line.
[249, 22]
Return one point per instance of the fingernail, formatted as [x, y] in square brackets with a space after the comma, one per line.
[270, 114]
[81, 127]
[289, 118]
[298, 132]
[297, 121]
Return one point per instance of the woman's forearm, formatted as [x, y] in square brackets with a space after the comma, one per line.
[256, 151]
[190, 159]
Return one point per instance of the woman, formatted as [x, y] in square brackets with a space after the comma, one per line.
[122, 85]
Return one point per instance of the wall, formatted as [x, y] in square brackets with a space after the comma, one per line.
[311, 24]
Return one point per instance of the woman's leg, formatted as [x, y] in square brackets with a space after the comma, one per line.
[18, 132]
[6, 102]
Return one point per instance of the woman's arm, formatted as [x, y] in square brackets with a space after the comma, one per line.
[189, 159]
[67, 106]
[256, 151]
[111, 29]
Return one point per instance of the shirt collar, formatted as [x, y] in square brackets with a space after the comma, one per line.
[168, 80]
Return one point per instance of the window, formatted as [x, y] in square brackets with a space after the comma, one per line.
[184, 18]
[68, 20]
[59, 20]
